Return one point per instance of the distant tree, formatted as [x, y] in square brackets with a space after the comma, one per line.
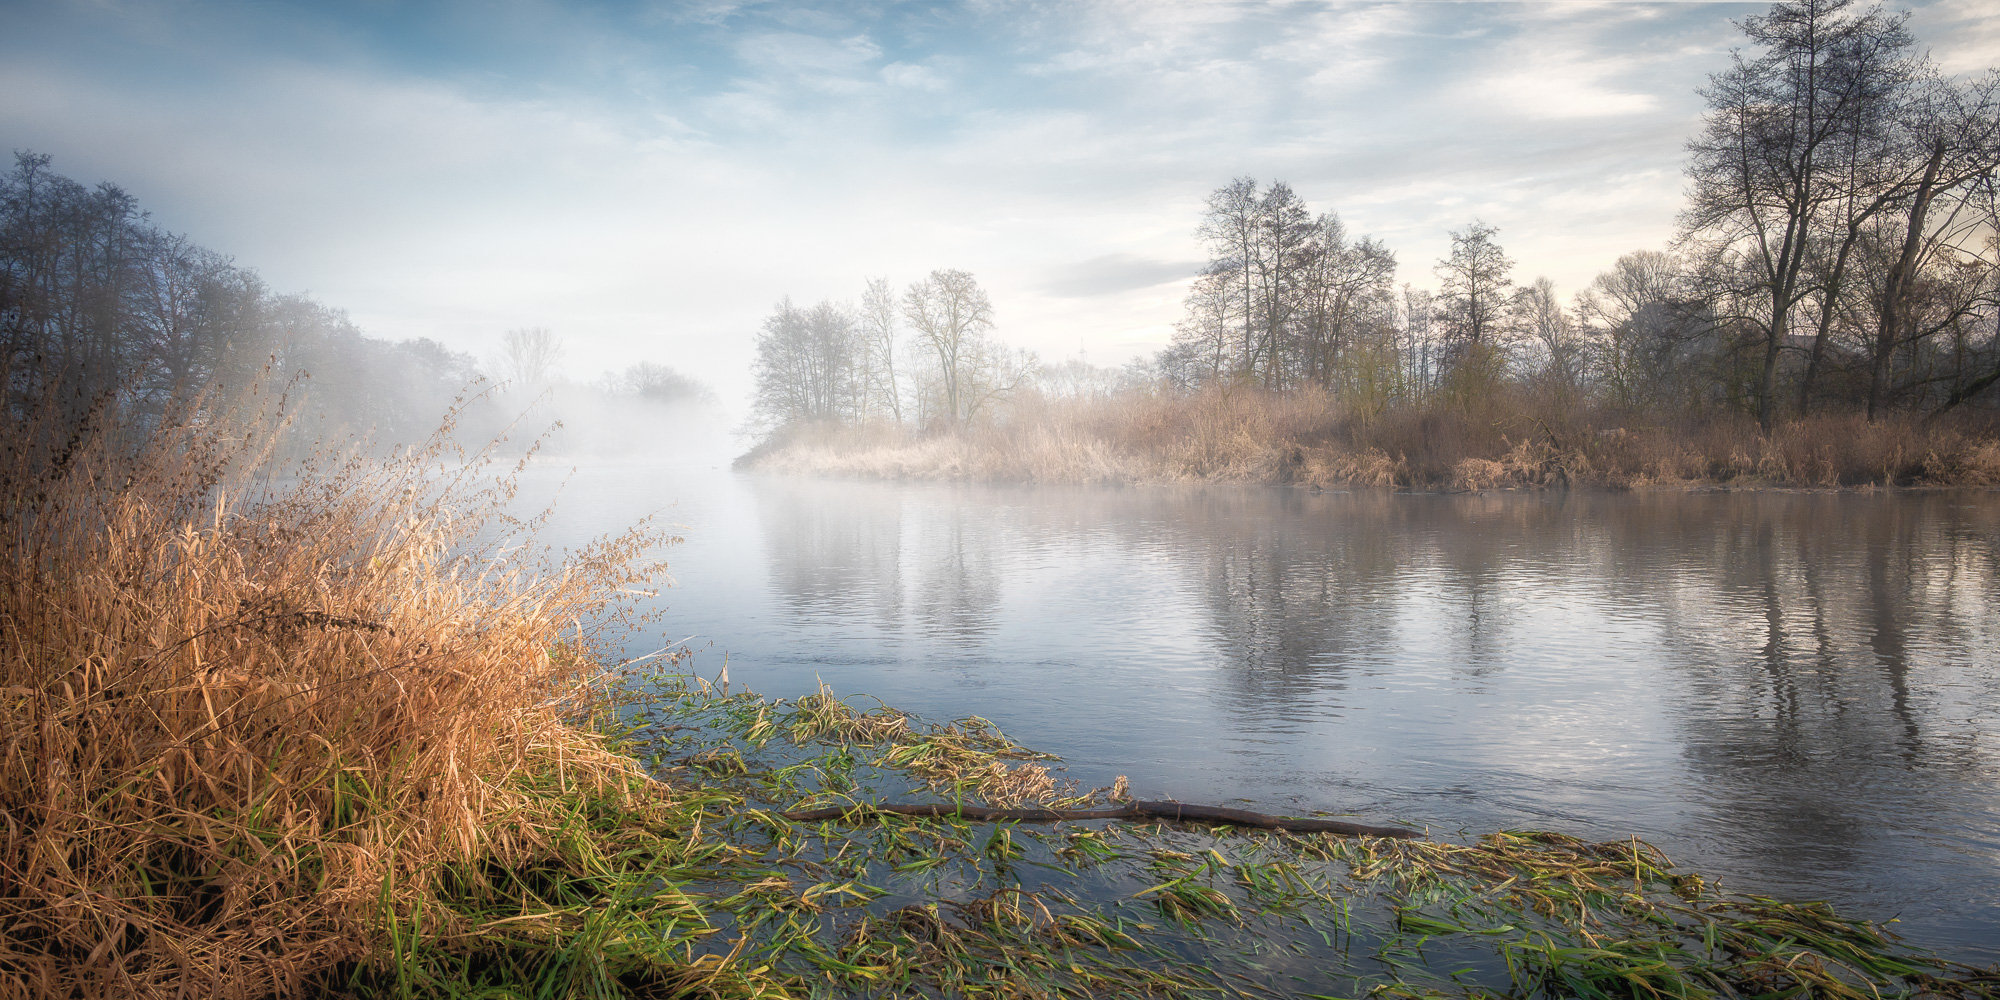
[1201, 350]
[1340, 286]
[1559, 347]
[1281, 254]
[951, 316]
[883, 390]
[1283, 296]
[661, 384]
[1475, 284]
[1230, 229]
[1420, 340]
[805, 364]
[529, 356]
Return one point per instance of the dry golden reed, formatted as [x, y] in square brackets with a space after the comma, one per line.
[250, 711]
[1310, 438]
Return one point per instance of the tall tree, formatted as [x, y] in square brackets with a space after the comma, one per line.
[878, 331]
[1229, 228]
[1559, 348]
[951, 315]
[1943, 168]
[1281, 251]
[1475, 283]
[1338, 283]
[1766, 163]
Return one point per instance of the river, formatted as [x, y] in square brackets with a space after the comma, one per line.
[1794, 691]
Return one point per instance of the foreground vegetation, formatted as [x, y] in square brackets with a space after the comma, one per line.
[261, 722]
[332, 730]
[1308, 438]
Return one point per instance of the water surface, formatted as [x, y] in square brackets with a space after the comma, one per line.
[1795, 691]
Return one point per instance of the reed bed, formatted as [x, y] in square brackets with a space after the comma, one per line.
[1309, 438]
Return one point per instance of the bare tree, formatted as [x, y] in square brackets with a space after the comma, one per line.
[529, 356]
[1950, 152]
[1635, 311]
[1201, 350]
[805, 364]
[878, 347]
[662, 384]
[101, 304]
[1338, 283]
[1230, 229]
[951, 315]
[1766, 164]
[1559, 347]
[1475, 284]
[1418, 307]
[1282, 248]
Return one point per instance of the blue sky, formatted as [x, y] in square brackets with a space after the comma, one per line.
[647, 179]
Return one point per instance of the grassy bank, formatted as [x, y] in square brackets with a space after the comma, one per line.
[334, 731]
[1307, 438]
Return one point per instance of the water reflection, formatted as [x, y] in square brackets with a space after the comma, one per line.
[1797, 689]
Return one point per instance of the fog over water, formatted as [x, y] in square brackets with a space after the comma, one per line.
[1794, 691]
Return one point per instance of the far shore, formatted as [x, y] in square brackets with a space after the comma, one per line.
[1311, 442]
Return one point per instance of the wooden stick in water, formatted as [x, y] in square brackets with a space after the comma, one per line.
[1172, 811]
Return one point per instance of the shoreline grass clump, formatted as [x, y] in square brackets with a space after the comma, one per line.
[265, 725]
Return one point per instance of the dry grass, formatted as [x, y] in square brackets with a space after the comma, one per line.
[1512, 439]
[252, 719]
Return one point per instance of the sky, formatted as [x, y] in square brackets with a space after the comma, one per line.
[648, 179]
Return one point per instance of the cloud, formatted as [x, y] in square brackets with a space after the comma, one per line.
[648, 182]
[1116, 272]
[912, 77]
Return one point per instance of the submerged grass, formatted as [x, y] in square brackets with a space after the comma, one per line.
[333, 733]
[900, 905]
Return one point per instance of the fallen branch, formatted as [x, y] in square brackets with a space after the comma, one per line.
[1175, 811]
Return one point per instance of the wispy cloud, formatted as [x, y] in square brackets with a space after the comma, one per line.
[1116, 272]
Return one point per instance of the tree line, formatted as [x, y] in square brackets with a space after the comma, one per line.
[100, 306]
[1837, 250]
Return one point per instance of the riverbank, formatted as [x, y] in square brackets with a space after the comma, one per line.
[1307, 439]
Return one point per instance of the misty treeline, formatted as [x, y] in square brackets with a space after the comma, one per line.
[1837, 251]
[102, 308]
